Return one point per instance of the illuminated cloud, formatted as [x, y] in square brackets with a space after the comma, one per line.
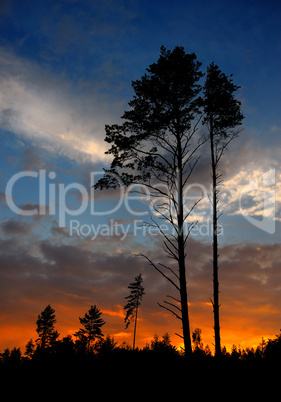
[45, 109]
[72, 274]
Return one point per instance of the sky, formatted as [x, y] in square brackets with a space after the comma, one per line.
[65, 71]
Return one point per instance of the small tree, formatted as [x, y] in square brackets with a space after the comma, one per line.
[163, 345]
[29, 349]
[106, 346]
[134, 299]
[46, 328]
[11, 357]
[196, 339]
[92, 323]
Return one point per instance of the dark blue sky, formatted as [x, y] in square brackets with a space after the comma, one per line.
[111, 43]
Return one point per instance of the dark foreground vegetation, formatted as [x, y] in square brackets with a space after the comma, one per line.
[88, 350]
[75, 354]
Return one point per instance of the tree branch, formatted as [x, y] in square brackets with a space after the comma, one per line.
[172, 304]
[171, 311]
[169, 269]
[159, 270]
[172, 297]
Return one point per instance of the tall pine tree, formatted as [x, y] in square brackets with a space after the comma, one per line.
[222, 116]
[156, 147]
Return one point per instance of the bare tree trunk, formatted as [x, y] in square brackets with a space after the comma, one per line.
[181, 260]
[184, 301]
[135, 328]
[215, 301]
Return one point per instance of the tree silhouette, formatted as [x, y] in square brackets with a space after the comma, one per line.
[196, 338]
[29, 348]
[156, 149]
[11, 357]
[134, 299]
[163, 345]
[92, 323]
[46, 328]
[222, 115]
[199, 351]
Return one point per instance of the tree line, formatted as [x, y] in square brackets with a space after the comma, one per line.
[90, 346]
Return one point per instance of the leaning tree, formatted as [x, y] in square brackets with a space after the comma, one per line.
[134, 301]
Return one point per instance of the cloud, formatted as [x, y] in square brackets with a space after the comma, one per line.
[250, 186]
[16, 227]
[59, 231]
[33, 158]
[50, 112]
[254, 193]
[72, 273]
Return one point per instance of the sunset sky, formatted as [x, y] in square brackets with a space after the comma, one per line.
[65, 71]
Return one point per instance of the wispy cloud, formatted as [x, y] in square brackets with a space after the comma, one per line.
[47, 110]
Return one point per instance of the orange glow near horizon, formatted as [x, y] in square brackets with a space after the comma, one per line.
[233, 331]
